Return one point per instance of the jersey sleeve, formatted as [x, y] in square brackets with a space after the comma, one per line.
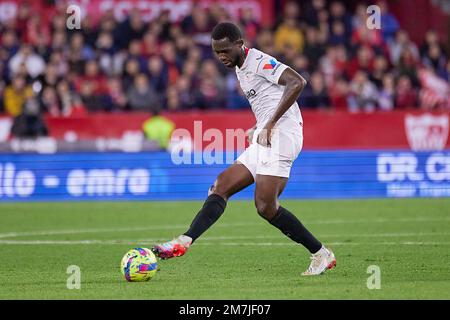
[270, 69]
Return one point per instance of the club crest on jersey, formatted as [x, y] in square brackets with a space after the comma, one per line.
[269, 66]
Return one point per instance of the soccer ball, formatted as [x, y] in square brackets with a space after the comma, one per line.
[139, 264]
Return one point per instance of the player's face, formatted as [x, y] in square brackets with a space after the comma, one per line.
[227, 52]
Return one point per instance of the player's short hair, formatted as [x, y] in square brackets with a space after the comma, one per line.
[226, 30]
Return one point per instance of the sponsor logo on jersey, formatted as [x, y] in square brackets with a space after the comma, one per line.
[249, 94]
[275, 69]
[268, 66]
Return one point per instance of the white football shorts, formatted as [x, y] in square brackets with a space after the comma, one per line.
[275, 160]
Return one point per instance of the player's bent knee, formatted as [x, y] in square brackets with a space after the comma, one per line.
[219, 189]
[266, 210]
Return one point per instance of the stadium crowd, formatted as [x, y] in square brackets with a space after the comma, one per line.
[161, 65]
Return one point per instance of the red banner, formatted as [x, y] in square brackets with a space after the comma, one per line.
[322, 130]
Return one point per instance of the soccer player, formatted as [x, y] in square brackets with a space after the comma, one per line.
[272, 89]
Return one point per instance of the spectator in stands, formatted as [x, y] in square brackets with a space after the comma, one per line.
[116, 99]
[365, 93]
[9, 43]
[89, 31]
[431, 39]
[302, 66]
[150, 46]
[50, 77]
[211, 86]
[218, 13]
[406, 96]
[34, 63]
[313, 48]
[337, 34]
[58, 23]
[380, 67]
[182, 44]
[132, 28]
[131, 70]
[50, 102]
[190, 68]
[2, 87]
[363, 61]
[15, 96]
[339, 13]
[199, 31]
[407, 65]
[235, 97]
[71, 103]
[288, 32]
[186, 98]
[399, 45]
[91, 101]
[58, 61]
[142, 97]
[250, 26]
[362, 36]
[324, 18]
[340, 95]
[37, 31]
[311, 12]
[78, 53]
[94, 76]
[334, 63]
[59, 41]
[170, 59]
[446, 74]
[435, 59]
[386, 99]
[315, 95]
[289, 54]
[157, 73]
[29, 124]
[106, 50]
[135, 53]
[388, 21]
[172, 102]
[265, 42]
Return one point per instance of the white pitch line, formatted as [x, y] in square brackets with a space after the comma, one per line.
[14, 234]
[380, 220]
[328, 243]
[206, 243]
[125, 229]
[363, 235]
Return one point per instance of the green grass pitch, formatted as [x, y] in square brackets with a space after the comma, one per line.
[240, 257]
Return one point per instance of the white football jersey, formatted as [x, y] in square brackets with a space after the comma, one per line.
[258, 77]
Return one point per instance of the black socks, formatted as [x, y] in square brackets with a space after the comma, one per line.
[294, 229]
[211, 211]
[215, 205]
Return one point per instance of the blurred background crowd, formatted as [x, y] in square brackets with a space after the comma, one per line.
[162, 65]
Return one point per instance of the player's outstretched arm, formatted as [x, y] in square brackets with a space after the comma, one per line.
[294, 85]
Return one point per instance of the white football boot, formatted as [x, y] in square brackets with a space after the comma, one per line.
[321, 261]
